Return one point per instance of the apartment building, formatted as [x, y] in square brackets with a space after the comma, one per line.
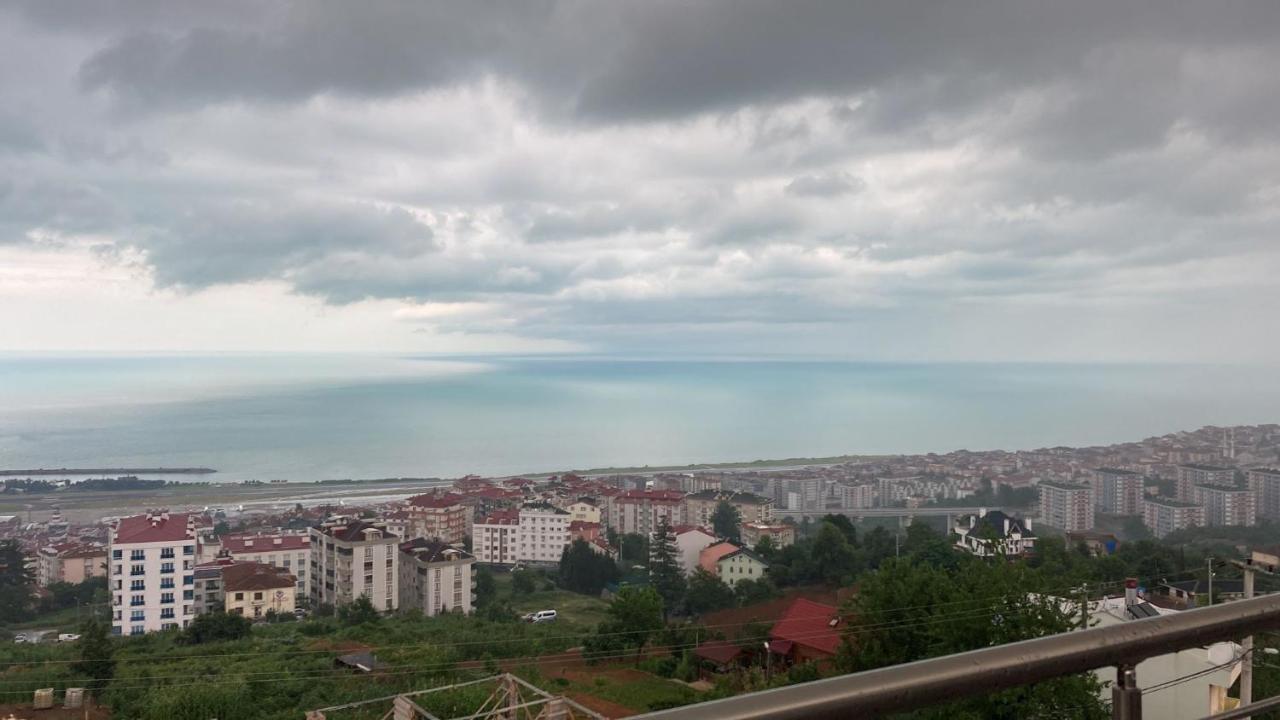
[253, 589]
[1227, 505]
[495, 537]
[1066, 506]
[1118, 491]
[583, 510]
[290, 552]
[699, 507]
[856, 497]
[542, 533]
[152, 572]
[70, 562]
[441, 516]
[641, 511]
[350, 558]
[435, 577]
[1189, 475]
[1164, 515]
[781, 534]
[1265, 484]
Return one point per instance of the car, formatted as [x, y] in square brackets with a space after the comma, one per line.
[541, 616]
[68, 637]
[20, 638]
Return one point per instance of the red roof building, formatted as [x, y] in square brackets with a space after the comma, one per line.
[807, 632]
[442, 516]
[154, 527]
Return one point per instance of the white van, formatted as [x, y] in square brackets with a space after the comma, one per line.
[542, 616]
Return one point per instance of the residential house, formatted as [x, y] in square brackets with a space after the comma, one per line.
[807, 632]
[690, 542]
[543, 533]
[993, 533]
[70, 562]
[253, 589]
[731, 563]
[1190, 475]
[290, 551]
[584, 510]
[780, 534]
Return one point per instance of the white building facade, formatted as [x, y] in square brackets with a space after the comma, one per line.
[152, 559]
[350, 558]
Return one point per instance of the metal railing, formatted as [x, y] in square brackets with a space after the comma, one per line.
[911, 686]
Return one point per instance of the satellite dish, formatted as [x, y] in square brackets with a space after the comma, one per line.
[1222, 653]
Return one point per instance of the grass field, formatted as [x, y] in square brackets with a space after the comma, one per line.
[571, 607]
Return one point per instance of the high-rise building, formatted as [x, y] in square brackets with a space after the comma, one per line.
[441, 516]
[1265, 484]
[152, 572]
[290, 552]
[1164, 515]
[350, 558]
[435, 577]
[494, 539]
[1066, 506]
[1192, 474]
[1118, 491]
[641, 511]
[70, 562]
[1227, 505]
[543, 533]
[699, 507]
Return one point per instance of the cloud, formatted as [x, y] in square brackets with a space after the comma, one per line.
[610, 175]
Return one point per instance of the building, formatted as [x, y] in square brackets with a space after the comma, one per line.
[443, 516]
[208, 585]
[1227, 505]
[806, 632]
[435, 577]
[583, 510]
[1191, 474]
[1165, 515]
[989, 534]
[70, 562]
[253, 589]
[731, 563]
[542, 534]
[780, 534]
[856, 497]
[690, 542]
[494, 539]
[152, 581]
[290, 552]
[1097, 543]
[1265, 484]
[699, 507]
[642, 511]
[350, 558]
[1117, 491]
[1066, 506]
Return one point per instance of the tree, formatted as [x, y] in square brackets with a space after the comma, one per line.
[358, 612]
[215, 627]
[635, 615]
[97, 661]
[751, 592]
[486, 588]
[835, 559]
[583, 570]
[726, 521]
[707, 593]
[845, 526]
[633, 549]
[665, 573]
[523, 582]
[16, 579]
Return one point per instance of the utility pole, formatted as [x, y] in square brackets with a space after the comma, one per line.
[1209, 562]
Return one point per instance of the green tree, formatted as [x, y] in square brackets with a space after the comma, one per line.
[523, 582]
[16, 580]
[752, 592]
[635, 615]
[845, 526]
[97, 655]
[665, 573]
[216, 627]
[726, 521]
[633, 549]
[835, 559]
[766, 548]
[583, 570]
[358, 612]
[707, 593]
[486, 587]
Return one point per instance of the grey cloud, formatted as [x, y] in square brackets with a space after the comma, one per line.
[829, 184]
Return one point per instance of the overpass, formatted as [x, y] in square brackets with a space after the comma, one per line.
[885, 512]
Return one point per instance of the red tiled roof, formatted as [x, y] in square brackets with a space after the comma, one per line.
[720, 652]
[808, 623]
[243, 576]
[258, 543]
[665, 496]
[139, 529]
[432, 500]
[711, 554]
[500, 517]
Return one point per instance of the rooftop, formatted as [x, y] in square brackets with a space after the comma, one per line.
[243, 576]
[258, 543]
[430, 551]
[153, 527]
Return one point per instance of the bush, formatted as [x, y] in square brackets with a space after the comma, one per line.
[216, 627]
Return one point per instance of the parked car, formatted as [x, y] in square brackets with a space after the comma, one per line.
[541, 616]
[68, 637]
[20, 638]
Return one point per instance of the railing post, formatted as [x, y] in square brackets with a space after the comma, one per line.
[1126, 697]
[1246, 672]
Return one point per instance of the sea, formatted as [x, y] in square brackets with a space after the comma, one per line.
[318, 417]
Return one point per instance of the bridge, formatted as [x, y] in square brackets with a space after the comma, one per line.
[902, 513]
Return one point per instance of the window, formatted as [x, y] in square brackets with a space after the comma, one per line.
[166, 583]
[137, 600]
[166, 552]
[169, 626]
[138, 615]
[187, 594]
[239, 596]
[138, 570]
[166, 567]
[166, 598]
[189, 579]
[137, 585]
[137, 630]
[188, 549]
[166, 613]
[257, 596]
[117, 554]
[138, 555]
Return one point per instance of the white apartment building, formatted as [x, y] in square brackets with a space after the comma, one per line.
[584, 511]
[856, 497]
[350, 558]
[1165, 515]
[1192, 474]
[1265, 484]
[435, 577]
[543, 533]
[152, 579]
[1227, 505]
[1065, 506]
[642, 511]
[1118, 491]
[494, 538]
[288, 551]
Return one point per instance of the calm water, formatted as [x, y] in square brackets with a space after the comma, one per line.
[308, 418]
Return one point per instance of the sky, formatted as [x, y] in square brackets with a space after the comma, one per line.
[981, 181]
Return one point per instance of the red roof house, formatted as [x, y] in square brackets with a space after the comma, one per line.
[807, 632]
